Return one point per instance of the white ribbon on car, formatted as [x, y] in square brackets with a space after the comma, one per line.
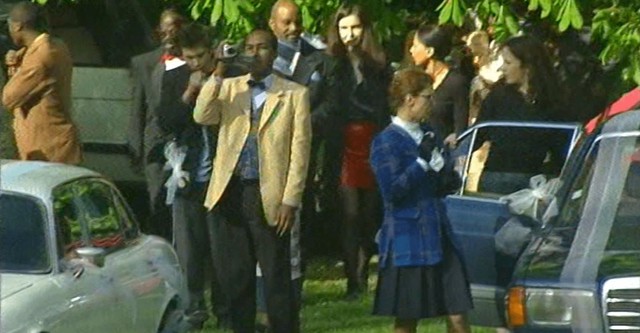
[179, 178]
[526, 201]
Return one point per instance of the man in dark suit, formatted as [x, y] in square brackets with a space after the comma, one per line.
[157, 76]
[193, 228]
[301, 59]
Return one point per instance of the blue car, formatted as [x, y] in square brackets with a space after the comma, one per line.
[580, 269]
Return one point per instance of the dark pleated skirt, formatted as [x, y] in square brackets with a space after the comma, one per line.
[417, 292]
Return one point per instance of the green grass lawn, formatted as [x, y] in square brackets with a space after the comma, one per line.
[324, 310]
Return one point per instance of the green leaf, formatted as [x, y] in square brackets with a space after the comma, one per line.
[231, 11]
[445, 13]
[458, 12]
[576, 16]
[512, 24]
[546, 8]
[216, 13]
[533, 5]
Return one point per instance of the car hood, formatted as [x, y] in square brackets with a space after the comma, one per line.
[11, 284]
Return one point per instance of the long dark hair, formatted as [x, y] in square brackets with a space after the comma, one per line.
[543, 81]
[437, 37]
[371, 52]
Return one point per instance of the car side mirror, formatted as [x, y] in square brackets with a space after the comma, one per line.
[93, 255]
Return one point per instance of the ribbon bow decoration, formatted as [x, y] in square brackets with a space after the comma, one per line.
[179, 178]
[526, 201]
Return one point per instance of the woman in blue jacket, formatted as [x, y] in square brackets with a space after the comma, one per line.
[421, 274]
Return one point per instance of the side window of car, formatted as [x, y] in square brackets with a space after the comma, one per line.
[501, 159]
[102, 216]
[626, 226]
[67, 218]
[88, 213]
[127, 217]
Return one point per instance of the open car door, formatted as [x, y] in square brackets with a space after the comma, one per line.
[476, 212]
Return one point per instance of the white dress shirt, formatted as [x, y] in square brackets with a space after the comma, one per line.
[415, 132]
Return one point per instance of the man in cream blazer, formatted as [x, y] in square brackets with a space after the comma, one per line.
[258, 179]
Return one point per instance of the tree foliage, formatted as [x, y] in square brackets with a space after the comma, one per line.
[615, 25]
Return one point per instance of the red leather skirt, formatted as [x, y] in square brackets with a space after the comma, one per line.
[356, 171]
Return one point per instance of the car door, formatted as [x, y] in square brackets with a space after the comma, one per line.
[476, 213]
[92, 299]
[128, 260]
[137, 265]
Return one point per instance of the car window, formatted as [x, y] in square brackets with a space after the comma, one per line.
[88, 213]
[71, 234]
[578, 193]
[500, 159]
[127, 217]
[626, 226]
[23, 240]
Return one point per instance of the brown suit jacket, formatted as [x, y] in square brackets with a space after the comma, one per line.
[39, 94]
[284, 138]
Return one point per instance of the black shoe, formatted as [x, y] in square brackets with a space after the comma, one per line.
[196, 318]
[353, 294]
[262, 328]
[224, 323]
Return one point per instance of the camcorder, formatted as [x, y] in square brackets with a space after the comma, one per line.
[236, 62]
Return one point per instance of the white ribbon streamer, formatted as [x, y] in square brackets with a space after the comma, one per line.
[179, 178]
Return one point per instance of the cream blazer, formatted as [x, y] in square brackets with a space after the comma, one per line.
[284, 138]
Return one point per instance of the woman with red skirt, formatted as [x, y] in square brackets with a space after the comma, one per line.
[359, 87]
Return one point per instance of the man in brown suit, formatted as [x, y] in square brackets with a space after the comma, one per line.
[258, 179]
[39, 91]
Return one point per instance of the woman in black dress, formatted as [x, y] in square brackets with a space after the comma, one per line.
[359, 85]
[450, 115]
[421, 274]
[528, 92]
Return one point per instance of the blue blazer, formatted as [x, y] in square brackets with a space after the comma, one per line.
[414, 217]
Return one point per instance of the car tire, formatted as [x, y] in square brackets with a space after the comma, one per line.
[173, 320]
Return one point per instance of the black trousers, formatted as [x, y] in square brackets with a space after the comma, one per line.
[159, 220]
[244, 238]
[193, 236]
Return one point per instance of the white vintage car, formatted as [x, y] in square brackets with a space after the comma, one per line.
[72, 258]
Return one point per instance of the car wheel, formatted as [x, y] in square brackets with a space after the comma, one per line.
[173, 320]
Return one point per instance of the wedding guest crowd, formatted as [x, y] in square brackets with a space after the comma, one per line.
[245, 146]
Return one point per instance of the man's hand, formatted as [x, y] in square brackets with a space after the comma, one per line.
[284, 219]
[193, 89]
[450, 141]
[13, 59]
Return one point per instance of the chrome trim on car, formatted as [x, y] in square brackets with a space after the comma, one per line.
[621, 304]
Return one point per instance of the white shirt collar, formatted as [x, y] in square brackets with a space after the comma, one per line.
[412, 128]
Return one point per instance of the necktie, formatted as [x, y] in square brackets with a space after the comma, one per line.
[256, 84]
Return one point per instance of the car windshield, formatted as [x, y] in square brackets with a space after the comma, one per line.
[607, 191]
[23, 242]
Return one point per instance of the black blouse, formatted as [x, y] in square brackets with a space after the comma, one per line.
[450, 112]
[519, 149]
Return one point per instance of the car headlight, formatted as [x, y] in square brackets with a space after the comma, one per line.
[548, 307]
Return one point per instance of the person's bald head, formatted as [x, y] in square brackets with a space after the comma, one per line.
[24, 18]
[285, 20]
